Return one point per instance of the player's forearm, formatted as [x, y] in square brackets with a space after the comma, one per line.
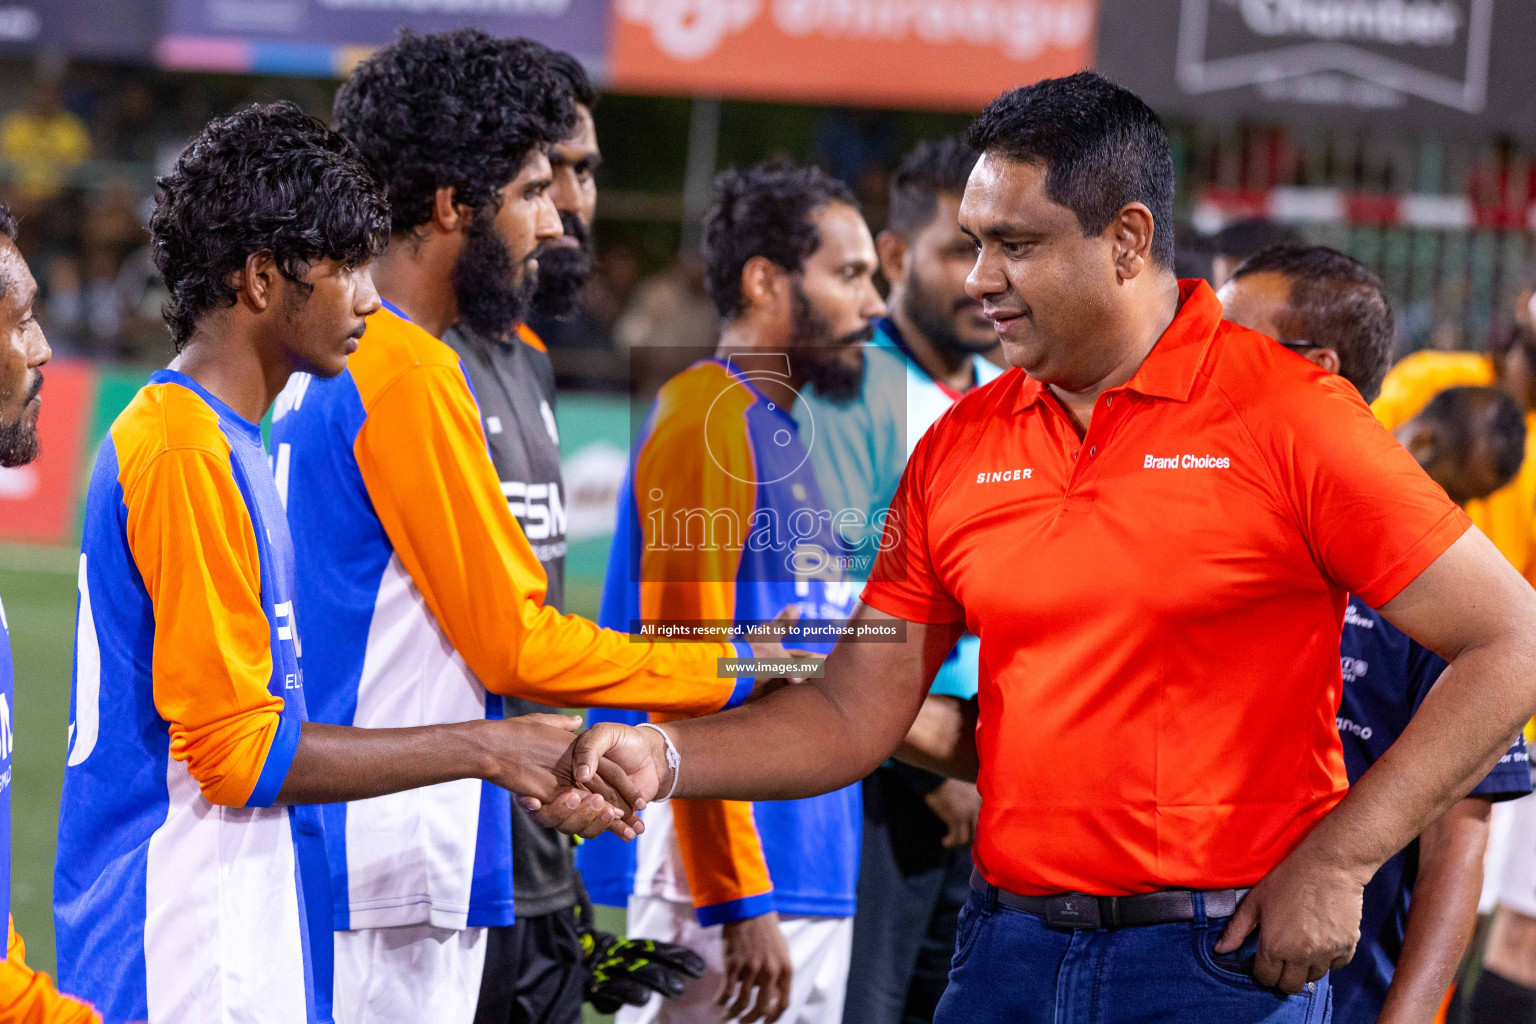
[568, 661]
[1443, 915]
[1459, 733]
[943, 739]
[819, 736]
[335, 763]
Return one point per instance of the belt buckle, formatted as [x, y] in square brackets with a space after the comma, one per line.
[1073, 910]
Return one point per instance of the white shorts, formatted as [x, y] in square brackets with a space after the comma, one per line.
[1509, 868]
[409, 974]
[819, 947]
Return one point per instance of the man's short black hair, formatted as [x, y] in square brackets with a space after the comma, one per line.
[1100, 145]
[575, 77]
[1335, 302]
[1243, 238]
[268, 178]
[764, 211]
[1468, 419]
[460, 110]
[929, 171]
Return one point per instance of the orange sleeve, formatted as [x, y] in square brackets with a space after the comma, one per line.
[905, 581]
[194, 544]
[1372, 518]
[721, 849]
[424, 462]
[27, 997]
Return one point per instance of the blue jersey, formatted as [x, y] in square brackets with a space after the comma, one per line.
[1386, 678]
[180, 892]
[717, 455]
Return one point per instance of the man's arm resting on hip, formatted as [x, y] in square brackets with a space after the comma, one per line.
[1474, 610]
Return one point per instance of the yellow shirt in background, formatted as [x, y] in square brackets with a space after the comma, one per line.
[1508, 515]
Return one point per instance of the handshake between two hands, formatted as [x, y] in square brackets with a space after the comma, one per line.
[587, 782]
[584, 783]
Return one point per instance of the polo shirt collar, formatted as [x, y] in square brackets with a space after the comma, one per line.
[1170, 368]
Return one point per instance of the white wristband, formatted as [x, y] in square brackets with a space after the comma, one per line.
[674, 760]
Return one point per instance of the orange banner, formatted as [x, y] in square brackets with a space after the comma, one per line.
[946, 54]
[38, 501]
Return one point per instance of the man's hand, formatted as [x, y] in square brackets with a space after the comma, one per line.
[632, 762]
[767, 645]
[957, 804]
[757, 965]
[1307, 912]
[532, 757]
[624, 972]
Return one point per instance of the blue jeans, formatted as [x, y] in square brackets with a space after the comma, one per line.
[1010, 967]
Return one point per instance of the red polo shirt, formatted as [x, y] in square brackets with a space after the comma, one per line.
[1159, 603]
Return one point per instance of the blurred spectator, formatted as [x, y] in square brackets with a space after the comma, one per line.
[44, 143]
[1241, 239]
[670, 322]
[612, 283]
[1191, 253]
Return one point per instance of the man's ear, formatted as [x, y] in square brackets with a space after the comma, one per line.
[763, 282]
[448, 215]
[1326, 358]
[1130, 234]
[256, 282]
[1421, 441]
[893, 251]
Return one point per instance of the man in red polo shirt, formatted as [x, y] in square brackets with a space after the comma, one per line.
[1152, 523]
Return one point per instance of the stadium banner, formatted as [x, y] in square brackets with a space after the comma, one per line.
[938, 54]
[39, 502]
[1459, 65]
[327, 37]
[82, 28]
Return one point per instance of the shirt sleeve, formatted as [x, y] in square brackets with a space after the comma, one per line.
[905, 581]
[194, 544]
[1371, 517]
[721, 849]
[424, 462]
[27, 997]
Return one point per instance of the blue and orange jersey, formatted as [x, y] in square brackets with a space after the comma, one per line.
[431, 602]
[721, 519]
[180, 892]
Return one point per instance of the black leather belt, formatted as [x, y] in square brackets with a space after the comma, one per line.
[1079, 910]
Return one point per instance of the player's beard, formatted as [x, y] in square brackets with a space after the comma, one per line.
[563, 270]
[492, 298]
[816, 354]
[18, 440]
[925, 308]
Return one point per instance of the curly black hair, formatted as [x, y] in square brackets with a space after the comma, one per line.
[930, 170]
[461, 110]
[1100, 145]
[8, 223]
[765, 211]
[575, 77]
[268, 178]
